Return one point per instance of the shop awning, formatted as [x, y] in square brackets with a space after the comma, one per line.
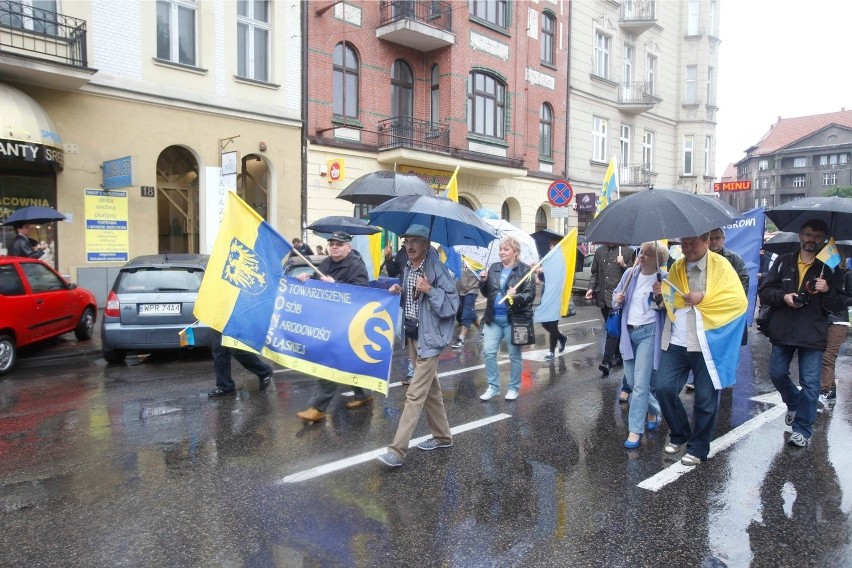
[27, 134]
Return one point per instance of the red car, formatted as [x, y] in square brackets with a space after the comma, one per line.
[36, 304]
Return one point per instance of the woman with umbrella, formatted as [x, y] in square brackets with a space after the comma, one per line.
[642, 316]
[509, 295]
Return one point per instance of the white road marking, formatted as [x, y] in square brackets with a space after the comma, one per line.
[673, 472]
[539, 354]
[367, 456]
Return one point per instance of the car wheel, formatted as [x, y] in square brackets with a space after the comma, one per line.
[86, 325]
[114, 356]
[8, 354]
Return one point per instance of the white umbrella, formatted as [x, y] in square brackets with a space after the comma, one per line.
[486, 256]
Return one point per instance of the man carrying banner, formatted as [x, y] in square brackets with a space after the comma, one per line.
[430, 301]
[344, 266]
[801, 290]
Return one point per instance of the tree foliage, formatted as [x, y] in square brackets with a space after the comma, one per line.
[840, 191]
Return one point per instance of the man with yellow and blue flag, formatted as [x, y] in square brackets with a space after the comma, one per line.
[801, 290]
[238, 291]
[706, 308]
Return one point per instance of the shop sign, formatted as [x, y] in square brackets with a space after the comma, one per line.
[336, 170]
[117, 173]
[106, 226]
[15, 151]
[732, 186]
[585, 202]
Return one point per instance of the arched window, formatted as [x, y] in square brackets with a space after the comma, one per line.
[402, 90]
[345, 81]
[540, 219]
[435, 99]
[486, 100]
[504, 212]
[548, 27]
[545, 131]
[466, 203]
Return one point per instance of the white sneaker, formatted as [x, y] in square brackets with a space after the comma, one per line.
[512, 394]
[489, 394]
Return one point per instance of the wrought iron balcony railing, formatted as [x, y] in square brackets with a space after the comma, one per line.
[405, 132]
[634, 175]
[436, 14]
[33, 31]
[636, 93]
[638, 11]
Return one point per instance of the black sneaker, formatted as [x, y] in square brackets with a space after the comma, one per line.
[562, 341]
[604, 368]
[219, 392]
[265, 382]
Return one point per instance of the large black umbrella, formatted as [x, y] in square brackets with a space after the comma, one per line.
[377, 187]
[782, 243]
[34, 214]
[351, 225]
[835, 211]
[658, 214]
[449, 223]
[542, 240]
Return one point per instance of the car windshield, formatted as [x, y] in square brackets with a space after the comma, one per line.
[159, 280]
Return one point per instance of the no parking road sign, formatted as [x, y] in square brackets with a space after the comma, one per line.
[560, 193]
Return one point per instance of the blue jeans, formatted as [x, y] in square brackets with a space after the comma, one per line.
[495, 332]
[638, 372]
[467, 309]
[675, 365]
[804, 402]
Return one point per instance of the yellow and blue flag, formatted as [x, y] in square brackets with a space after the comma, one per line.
[830, 254]
[239, 288]
[558, 268]
[719, 317]
[449, 256]
[371, 251]
[609, 189]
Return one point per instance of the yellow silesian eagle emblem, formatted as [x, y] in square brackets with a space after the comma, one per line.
[245, 269]
[360, 339]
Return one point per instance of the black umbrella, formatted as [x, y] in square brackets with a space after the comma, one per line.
[835, 211]
[377, 187]
[658, 214]
[351, 225]
[542, 240]
[449, 223]
[783, 243]
[34, 214]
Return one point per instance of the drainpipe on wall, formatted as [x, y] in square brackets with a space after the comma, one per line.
[568, 110]
[303, 217]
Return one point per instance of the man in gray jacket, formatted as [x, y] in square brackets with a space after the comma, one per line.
[429, 301]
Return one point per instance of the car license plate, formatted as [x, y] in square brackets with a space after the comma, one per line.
[159, 309]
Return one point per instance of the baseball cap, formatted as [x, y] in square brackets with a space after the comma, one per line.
[416, 230]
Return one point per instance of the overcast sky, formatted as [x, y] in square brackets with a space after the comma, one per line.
[779, 58]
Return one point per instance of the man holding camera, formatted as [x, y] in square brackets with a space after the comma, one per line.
[801, 291]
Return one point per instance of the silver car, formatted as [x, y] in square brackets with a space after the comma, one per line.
[150, 302]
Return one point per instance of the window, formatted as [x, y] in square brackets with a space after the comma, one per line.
[486, 100]
[800, 181]
[714, 10]
[176, 31]
[762, 165]
[492, 11]
[692, 18]
[800, 162]
[648, 151]
[36, 15]
[832, 160]
[688, 155]
[624, 145]
[651, 73]
[691, 76]
[41, 278]
[601, 54]
[707, 144]
[345, 81]
[545, 132]
[599, 139]
[829, 179]
[548, 27]
[253, 34]
[790, 197]
[504, 212]
[823, 160]
[434, 96]
[843, 158]
[402, 90]
[762, 183]
[711, 100]
[627, 64]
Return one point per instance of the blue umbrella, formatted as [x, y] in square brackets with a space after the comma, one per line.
[350, 225]
[34, 214]
[449, 223]
[487, 213]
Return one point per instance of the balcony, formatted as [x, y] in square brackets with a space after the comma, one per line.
[637, 16]
[41, 47]
[405, 132]
[629, 174]
[419, 24]
[636, 97]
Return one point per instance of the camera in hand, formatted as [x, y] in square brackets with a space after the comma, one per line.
[801, 299]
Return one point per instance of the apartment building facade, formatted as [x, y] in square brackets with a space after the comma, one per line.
[797, 157]
[423, 87]
[643, 90]
[128, 108]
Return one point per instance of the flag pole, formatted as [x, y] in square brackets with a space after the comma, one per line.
[308, 262]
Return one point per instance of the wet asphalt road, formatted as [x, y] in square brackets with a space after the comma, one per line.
[134, 466]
